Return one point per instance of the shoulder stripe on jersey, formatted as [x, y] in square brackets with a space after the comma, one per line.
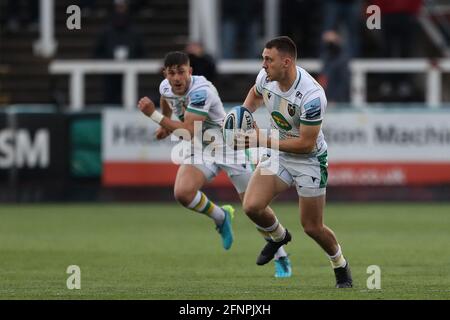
[198, 98]
[311, 123]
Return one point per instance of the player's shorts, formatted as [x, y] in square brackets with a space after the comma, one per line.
[239, 171]
[308, 174]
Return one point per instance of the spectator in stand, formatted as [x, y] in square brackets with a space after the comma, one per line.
[202, 63]
[20, 13]
[399, 28]
[241, 27]
[118, 42]
[348, 14]
[141, 7]
[300, 22]
[335, 75]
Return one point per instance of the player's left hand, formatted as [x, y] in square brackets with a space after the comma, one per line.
[147, 106]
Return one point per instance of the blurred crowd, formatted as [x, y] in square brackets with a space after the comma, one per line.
[336, 32]
[332, 30]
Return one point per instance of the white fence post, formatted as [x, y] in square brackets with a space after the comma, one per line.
[77, 90]
[357, 85]
[433, 87]
[130, 87]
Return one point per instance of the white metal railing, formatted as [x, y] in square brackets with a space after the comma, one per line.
[432, 69]
[77, 69]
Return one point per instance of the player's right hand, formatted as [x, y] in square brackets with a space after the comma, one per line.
[162, 133]
[147, 106]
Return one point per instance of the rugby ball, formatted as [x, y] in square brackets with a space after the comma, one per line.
[239, 119]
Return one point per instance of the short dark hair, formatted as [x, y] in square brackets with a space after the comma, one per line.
[283, 44]
[176, 58]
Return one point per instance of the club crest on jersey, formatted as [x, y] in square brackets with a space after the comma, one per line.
[281, 122]
[291, 109]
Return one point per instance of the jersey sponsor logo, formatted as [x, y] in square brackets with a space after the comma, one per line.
[298, 94]
[198, 98]
[312, 109]
[281, 122]
[291, 109]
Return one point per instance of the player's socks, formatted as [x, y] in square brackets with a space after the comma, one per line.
[341, 270]
[275, 232]
[337, 260]
[281, 253]
[203, 205]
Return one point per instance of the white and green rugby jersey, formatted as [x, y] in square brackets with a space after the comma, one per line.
[201, 98]
[303, 104]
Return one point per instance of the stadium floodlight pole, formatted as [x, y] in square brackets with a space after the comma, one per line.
[203, 24]
[46, 45]
[194, 21]
[272, 16]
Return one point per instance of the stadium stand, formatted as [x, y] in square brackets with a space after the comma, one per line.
[28, 80]
[164, 27]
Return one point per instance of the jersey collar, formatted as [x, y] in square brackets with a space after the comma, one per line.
[293, 87]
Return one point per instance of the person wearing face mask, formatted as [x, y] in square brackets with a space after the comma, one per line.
[335, 75]
[120, 41]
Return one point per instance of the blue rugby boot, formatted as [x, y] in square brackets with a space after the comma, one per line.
[225, 229]
[283, 267]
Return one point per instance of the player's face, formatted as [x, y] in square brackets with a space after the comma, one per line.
[179, 78]
[273, 63]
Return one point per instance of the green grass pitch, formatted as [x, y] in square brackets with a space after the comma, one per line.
[162, 251]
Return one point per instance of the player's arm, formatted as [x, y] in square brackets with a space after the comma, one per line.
[148, 108]
[253, 100]
[311, 115]
[165, 107]
[303, 144]
[162, 132]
